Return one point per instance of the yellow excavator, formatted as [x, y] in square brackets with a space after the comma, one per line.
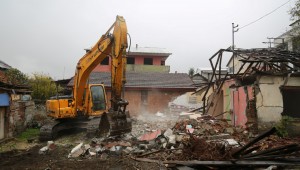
[87, 107]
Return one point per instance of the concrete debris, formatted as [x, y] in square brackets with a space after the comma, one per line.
[159, 114]
[92, 153]
[50, 146]
[76, 151]
[195, 116]
[127, 150]
[231, 142]
[170, 136]
[86, 147]
[43, 150]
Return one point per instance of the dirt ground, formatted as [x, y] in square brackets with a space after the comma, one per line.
[16, 154]
[57, 159]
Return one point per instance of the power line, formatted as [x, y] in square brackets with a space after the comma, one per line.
[265, 15]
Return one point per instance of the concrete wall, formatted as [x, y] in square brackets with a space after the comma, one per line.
[269, 101]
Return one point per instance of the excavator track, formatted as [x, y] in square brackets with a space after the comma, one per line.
[106, 125]
[46, 131]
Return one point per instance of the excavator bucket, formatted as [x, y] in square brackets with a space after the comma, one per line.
[115, 123]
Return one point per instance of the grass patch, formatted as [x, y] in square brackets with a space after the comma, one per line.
[29, 134]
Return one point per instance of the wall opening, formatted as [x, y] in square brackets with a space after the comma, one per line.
[291, 98]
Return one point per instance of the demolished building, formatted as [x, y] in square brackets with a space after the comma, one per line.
[262, 87]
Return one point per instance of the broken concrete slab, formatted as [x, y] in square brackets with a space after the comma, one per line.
[195, 116]
[231, 142]
[76, 151]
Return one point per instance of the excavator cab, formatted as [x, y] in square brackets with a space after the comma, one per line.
[95, 102]
[98, 98]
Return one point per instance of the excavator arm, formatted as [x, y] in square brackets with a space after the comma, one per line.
[113, 45]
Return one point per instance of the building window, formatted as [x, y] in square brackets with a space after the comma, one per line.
[148, 61]
[130, 60]
[105, 61]
[162, 62]
[144, 97]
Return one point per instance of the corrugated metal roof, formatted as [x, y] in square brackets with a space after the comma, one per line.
[149, 50]
[4, 65]
[145, 80]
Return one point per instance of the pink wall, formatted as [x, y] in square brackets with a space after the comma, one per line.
[239, 105]
[103, 68]
[236, 101]
[140, 59]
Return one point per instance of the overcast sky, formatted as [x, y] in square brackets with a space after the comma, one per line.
[49, 36]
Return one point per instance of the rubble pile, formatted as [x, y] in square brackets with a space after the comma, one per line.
[198, 138]
[199, 149]
[211, 128]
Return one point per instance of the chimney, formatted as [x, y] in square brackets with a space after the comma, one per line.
[136, 45]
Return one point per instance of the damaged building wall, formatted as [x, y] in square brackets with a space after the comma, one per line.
[269, 99]
[259, 105]
[237, 103]
[264, 88]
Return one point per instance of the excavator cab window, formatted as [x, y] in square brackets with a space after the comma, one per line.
[98, 98]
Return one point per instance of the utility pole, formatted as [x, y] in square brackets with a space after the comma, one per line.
[234, 29]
